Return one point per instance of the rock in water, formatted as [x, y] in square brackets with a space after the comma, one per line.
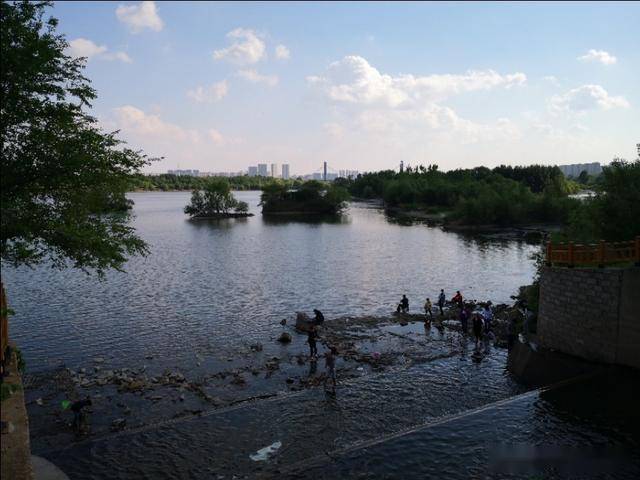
[303, 322]
[284, 338]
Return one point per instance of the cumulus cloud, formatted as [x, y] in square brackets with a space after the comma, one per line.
[81, 47]
[354, 80]
[586, 97]
[121, 56]
[601, 56]
[282, 52]
[136, 121]
[407, 109]
[140, 17]
[246, 48]
[209, 94]
[254, 77]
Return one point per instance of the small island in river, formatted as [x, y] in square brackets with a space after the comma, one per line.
[216, 201]
[311, 197]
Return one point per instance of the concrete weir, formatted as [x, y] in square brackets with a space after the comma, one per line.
[591, 313]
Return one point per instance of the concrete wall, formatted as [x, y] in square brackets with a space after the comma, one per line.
[592, 313]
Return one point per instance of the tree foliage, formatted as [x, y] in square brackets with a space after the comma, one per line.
[60, 171]
[310, 197]
[214, 200]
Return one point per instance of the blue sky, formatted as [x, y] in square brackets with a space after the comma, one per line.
[221, 86]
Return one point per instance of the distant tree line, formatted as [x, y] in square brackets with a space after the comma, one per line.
[168, 182]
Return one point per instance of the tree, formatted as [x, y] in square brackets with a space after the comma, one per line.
[60, 171]
[214, 200]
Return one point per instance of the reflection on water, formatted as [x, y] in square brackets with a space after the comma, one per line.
[213, 284]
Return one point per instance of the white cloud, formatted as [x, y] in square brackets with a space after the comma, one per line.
[213, 93]
[216, 137]
[81, 47]
[140, 17]
[136, 121]
[121, 56]
[598, 56]
[282, 52]
[246, 48]
[254, 77]
[584, 98]
[354, 80]
[551, 79]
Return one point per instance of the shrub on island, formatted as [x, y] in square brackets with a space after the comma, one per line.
[312, 197]
[216, 201]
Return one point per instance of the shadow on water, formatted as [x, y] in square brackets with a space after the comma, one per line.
[274, 220]
[223, 223]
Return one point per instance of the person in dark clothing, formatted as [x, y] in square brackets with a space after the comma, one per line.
[464, 319]
[477, 327]
[78, 413]
[511, 333]
[403, 306]
[312, 336]
[441, 299]
[319, 317]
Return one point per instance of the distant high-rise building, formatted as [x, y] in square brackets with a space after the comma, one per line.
[252, 171]
[285, 171]
[274, 170]
[184, 173]
[575, 169]
[262, 170]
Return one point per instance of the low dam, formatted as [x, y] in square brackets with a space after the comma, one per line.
[591, 313]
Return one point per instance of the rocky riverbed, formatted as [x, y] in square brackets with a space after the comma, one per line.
[139, 396]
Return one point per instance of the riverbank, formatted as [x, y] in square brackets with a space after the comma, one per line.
[16, 451]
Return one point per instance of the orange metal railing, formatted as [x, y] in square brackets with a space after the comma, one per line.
[601, 254]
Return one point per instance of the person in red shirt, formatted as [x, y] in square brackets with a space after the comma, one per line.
[457, 299]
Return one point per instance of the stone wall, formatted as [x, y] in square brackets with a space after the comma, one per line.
[592, 313]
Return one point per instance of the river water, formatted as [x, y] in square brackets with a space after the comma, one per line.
[214, 283]
[209, 289]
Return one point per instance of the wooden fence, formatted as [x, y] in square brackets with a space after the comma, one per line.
[4, 328]
[601, 254]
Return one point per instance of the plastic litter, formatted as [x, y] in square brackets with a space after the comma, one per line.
[263, 454]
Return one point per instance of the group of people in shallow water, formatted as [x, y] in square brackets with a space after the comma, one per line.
[329, 357]
[480, 320]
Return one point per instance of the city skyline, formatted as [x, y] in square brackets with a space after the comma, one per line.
[217, 86]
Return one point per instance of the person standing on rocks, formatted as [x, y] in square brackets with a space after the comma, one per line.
[477, 327]
[441, 299]
[79, 416]
[427, 310]
[464, 319]
[312, 336]
[319, 317]
[511, 333]
[457, 299]
[487, 314]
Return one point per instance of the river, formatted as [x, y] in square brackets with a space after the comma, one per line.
[211, 291]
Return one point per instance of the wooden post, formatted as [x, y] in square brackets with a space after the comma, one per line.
[571, 254]
[601, 254]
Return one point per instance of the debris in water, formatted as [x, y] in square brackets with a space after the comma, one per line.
[263, 454]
